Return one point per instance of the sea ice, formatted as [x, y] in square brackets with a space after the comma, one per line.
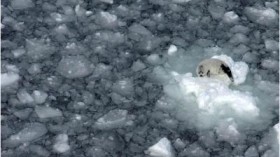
[24, 97]
[271, 45]
[21, 4]
[9, 78]
[61, 143]
[113, 119]
[251, 152]
[38, 49]
[162, 148]
[39, 96]
[138, 65]
[231, 17]
[124, 87]
[31, 132]
[107, 20]
[47, 112]
[74, 67]
[263, 16]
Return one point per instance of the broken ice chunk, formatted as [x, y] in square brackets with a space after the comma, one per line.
[231, 17]
[162, 148]
[172, 50]
[9, 78]
[21, 4]
[18, 52]
[251, 152]
[47, 112]
[194, 150]
[227, 131]
[124, 87]
[23, 114]
[61, 143]
[74, 67]
[113, 119]
[271, 45]
[39, 49]
[216, 11]
[31, 132]
[24, 97]
[139, 29]
[107, 20]
[138, 65]
[34, 69]
[39, 96]
[107, 1]
[262, 16]
[270, 64]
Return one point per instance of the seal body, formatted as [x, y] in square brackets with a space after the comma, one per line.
[216, 69]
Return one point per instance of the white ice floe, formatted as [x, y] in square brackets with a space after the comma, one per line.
[162, 148]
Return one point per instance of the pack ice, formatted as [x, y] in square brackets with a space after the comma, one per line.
[206, 103]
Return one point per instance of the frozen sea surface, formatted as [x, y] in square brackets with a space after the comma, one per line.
[116, 78]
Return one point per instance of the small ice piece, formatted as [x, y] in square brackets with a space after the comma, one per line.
[113, 119]
[34, 69]
[107, 20]
[216, 11]
[227, 131]
[21, 4]
[107, 1]
[139, 29]
[9, 78]
[138, 65]
[271, 45]
[18, 52]
[262, 16]
[154, 59]
[181, 1]
[124, 87]
[39, 150]
[251, 152]
[231, 17]
[39, 96]
[270, 64]
[23, 114]
[61, 143]
[238, 38]
[112, 38]
[162, 148]
[31, 132]
[195, 150]
[172, 50]
[179, 144]
[24, 97]
[38, 49]
[80, 11]
[47, 112]
[74, 67]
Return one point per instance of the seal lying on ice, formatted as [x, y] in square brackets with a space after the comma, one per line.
[215, 68]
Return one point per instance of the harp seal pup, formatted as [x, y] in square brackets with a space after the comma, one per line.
[216, 69]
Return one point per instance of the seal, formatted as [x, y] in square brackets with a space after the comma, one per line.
[215, 68]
